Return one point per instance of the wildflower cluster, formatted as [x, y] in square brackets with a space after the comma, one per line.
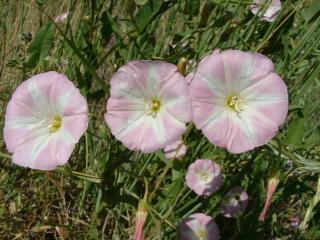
[235, 98]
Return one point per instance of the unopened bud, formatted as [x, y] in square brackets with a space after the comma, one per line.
[182, 65]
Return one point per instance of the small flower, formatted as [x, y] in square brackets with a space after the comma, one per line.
[176, 150]
[149, 105]
[198, 226]
[272, 11]
[62, 17]
[141, 217]
[271, 188]
[45, 118]
[238, 100]
[204, 177]
[234, 202]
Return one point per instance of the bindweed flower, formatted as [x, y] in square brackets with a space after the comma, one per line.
[141, 217]
[273, 182]
[204, 177]
[273, 10]
[198, 226]
[148, 106]
[176, 150]
[234, 202]
[238, 100]
[45, 118]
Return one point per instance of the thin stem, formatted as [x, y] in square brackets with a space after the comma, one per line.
[67, 171]
[303, 226]
[166, 169]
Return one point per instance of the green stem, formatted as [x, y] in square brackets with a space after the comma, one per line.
[166, 169]
[303, 226]
[68, 172]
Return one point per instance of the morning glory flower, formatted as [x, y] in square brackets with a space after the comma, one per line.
[149, 105]
[238, 100]
[234, 202]
[176, 150]
[45, 118]
[198, 226]
[204, 177]
[273, 10]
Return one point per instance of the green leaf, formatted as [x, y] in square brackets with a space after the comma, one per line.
[310, 11]
[296, 131]
[146, 13]
[41, 45]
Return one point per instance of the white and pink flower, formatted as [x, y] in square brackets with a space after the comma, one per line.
[176, 150]
[198, 226]
[238, 100]
[204, 177]
[234, 202]
[272, 11]
[45, 118]
[149, 105]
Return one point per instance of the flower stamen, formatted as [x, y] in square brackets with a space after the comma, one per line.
[153, 106]
[55, 124]
[202, 234]
[235, 103]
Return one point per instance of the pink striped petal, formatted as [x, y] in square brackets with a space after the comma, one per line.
[260, 107]
[129, 114]
[204, 177]
[198, 226]
[273, 10]
[30, 116]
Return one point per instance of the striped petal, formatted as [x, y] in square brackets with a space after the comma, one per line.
[45, 117]
[237, 100]
[131, 113]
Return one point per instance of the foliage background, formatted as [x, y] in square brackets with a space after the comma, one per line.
[89, 46]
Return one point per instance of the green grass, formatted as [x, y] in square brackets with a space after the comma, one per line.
[100, 36]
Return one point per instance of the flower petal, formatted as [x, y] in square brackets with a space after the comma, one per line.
[263, 100]
[128, 110]
[29, 117]
[272, 11]
[198, 224]
[45, 152]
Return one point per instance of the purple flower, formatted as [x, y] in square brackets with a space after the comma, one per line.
[234, 202]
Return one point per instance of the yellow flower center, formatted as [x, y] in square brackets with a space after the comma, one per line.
[153, 106]
[202, 234]
[55, 124]
[204, 176]
[235, 103]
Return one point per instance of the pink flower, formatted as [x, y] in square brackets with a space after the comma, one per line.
[273, 182]
[148, 106]
[198, 226]
[204, 177]
[234, 202]
[273, 9]
[238, 100]
[176, 150]
[45, 118]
